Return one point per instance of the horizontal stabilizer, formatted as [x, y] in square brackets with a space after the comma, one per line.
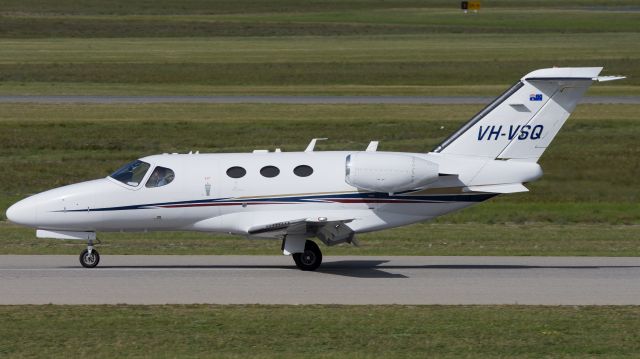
[499, 188]
[608, 78]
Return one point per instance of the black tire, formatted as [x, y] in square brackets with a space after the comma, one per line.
[89, 261]
[310, 259]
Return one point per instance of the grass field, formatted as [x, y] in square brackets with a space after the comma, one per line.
[323, 47]
[320, 331]
[195, 7]
[446, 64]
[331, 18]
[430, 239]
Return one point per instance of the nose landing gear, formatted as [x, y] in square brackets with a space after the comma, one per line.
[89, 258]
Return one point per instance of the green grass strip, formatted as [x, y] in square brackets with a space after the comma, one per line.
[241, 331]
[427, 239]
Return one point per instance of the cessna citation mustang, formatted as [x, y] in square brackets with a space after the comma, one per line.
[331, 196]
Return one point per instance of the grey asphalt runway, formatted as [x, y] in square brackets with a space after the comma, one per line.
[340, 280]
[435, 100]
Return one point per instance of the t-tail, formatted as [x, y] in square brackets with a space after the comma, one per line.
[521, 123]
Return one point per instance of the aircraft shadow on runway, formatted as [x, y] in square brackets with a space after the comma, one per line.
[358, 269]
[371, 268]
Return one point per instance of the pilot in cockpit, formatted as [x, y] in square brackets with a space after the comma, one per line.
[160, 177]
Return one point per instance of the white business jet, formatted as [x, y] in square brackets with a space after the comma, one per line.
[331, 196]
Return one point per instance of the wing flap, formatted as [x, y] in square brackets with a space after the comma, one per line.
[279, 229]
[329, 231]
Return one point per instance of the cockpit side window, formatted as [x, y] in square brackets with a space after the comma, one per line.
[132, 173]
[161, 176]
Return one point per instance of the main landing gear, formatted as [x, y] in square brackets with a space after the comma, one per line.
[89, 258]
[310, 259]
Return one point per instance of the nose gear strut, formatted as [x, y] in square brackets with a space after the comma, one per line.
[89, 258]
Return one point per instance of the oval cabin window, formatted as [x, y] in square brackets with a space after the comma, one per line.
[269, 171]
[303, 171]
[236, 172]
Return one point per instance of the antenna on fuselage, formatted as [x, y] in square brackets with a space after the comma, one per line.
[312, 144]
[373, 146]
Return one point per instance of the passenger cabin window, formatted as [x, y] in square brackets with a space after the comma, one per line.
[303, 171]
[132, 173]
[269, 171]
[161, 176]
[236, 172]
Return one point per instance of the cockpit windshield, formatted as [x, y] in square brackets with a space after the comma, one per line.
[132, 173]
[161, 176]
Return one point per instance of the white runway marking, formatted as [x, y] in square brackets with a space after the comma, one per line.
[340, 280]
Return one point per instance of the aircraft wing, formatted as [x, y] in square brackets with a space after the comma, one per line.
[329, 231]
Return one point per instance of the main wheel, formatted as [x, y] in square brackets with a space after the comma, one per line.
[310, 259]
[89, 260]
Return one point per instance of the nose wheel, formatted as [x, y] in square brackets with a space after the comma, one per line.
[89, 258]
[310, 259]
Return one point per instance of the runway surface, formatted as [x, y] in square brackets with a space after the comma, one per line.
[340, 280]
[435, 100]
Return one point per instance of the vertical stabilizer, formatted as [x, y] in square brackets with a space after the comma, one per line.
[523, 121]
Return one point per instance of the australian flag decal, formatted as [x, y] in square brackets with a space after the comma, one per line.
[535, 97]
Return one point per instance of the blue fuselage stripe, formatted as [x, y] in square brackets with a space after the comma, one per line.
[376, 197]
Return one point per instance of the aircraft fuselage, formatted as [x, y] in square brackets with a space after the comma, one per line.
[203, 197]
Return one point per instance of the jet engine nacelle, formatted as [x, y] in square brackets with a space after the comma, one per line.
[391, 173]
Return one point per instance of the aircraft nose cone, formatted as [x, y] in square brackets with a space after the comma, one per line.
[23, 212]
